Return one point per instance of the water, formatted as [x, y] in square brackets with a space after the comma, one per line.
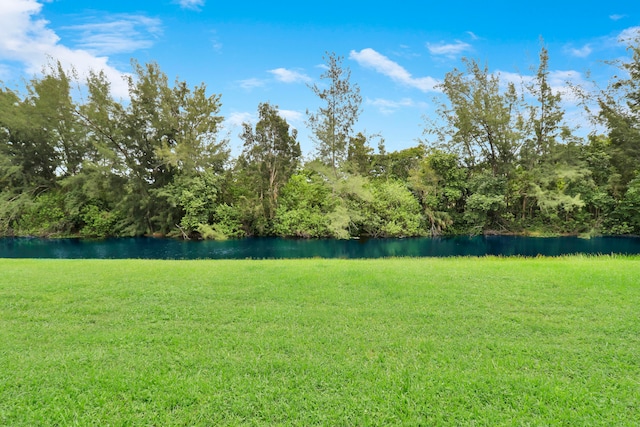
[268, 248]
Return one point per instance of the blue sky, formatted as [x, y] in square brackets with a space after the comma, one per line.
[252, 52]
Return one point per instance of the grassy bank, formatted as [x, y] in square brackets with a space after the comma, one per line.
[320, 342]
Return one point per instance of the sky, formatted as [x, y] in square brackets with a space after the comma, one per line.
[258, 51]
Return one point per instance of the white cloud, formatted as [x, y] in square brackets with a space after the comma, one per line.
[251, 83]
[191, 4]
[582, 52]
[215, 42]
[473, 35]
[562, 81]
[387, 106]
[629, 35]
[291, 115]
[515, 78]
[236, 119]
[289, 76]
[616, 17]
[25, 38]
[369, 58]
[120, 33]
[449, 49]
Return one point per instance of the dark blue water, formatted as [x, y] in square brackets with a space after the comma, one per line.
[260, 248]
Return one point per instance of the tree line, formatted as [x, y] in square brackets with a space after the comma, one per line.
[497, 158]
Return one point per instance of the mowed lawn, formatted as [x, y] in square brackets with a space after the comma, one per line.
[457, 341]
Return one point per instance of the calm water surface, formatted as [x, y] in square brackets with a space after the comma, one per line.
[260, 248]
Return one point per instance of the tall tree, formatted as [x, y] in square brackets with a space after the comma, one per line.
[439, 183]
[541, 156]
[481, 121]
[333, 123]
[163, 139]
[620, 113]
[545, 122]
[52, 109]
[270, 155]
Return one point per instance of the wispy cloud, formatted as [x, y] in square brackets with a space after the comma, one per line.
[473, 35]
[629, 35]
[517, 79]
[289, 76]
[191, 4]
[617, 17]
[25, 37]
[4, 71]
[369, 58]
[236, 119]
[117, 34]
[215, 42]
[388, 106]
[291, 116]
[251, 83]
[581, 52]
[405, 51]
[449, 49]
[605, 46]
[560, 81]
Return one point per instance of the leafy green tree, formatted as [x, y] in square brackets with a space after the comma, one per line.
[191, 146]
[194, 199]
[481, 121]
[392, 212]
[12, 121]
[620, 113]
[40, 143]
[439, 182]
[165, 137]
[97, 222]
[359, 155]
[304, 206]
[45, 216]
[545, 116]
[353, 194]
[107, 173]
[555, 198]
[543, 158]
[485, 207]
[332, 124]
[30, 128]
[600, 192]
[270, 156]
[629, 209]
[397, 165]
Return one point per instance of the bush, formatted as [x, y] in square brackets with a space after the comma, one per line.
[44, 216]
[97, 222]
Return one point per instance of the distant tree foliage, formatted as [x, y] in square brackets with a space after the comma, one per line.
[497, 158]
[332, 125]
[270, 156]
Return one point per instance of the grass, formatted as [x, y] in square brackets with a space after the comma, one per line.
[458, 341]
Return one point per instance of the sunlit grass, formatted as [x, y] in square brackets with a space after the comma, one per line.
[490, 341]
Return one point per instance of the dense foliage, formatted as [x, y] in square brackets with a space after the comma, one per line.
[497, 158]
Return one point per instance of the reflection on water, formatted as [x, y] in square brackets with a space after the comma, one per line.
[261, 248]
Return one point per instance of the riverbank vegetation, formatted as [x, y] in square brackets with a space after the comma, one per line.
[496, 158]
[456, 341]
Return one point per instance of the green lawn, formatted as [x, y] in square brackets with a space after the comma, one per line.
[457, 341]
